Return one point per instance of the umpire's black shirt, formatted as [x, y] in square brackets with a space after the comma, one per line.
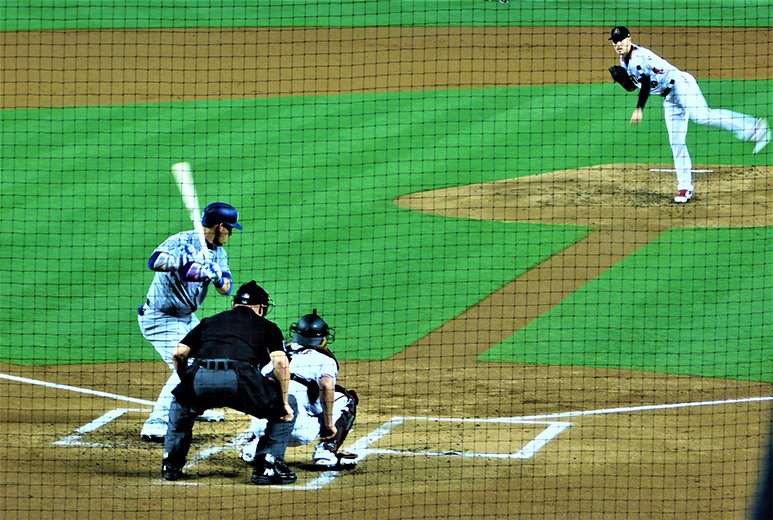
[237, 334]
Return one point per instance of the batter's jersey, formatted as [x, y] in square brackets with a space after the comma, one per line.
[171, 294]
[644, 62]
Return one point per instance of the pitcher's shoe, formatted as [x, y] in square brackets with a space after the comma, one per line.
[761, 135]
[683, 196]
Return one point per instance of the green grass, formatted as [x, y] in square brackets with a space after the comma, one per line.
[88, 194]
[693, 302]
[72, 14]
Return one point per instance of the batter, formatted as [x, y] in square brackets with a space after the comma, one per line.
[183, 273]
[682, 101]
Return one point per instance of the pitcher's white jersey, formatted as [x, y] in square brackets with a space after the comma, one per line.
[644, 62]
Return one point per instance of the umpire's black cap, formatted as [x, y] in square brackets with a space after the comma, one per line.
[619, 34]
[251, 294]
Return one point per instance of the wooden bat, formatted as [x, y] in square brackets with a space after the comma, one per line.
[183, 175]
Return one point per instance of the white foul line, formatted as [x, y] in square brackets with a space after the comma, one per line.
[77, 389]
[632, 409]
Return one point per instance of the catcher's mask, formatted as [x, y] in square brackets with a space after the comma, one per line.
[311, 330]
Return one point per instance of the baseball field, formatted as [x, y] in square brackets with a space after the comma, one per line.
[534, 328]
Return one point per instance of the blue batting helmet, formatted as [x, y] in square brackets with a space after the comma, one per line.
[220, 213]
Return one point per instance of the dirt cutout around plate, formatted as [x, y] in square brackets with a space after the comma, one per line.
[627, 205]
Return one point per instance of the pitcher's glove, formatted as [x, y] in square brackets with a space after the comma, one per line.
[620, 75]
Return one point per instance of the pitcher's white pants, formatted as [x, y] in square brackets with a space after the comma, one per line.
[686, 102]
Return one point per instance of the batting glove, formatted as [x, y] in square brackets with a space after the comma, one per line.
[213, 272]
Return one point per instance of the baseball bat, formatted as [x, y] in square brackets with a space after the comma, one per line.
[183, 175]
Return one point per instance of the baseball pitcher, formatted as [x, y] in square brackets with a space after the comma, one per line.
[682, 101]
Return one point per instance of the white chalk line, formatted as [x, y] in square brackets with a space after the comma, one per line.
[672, 170]
[74, 439]
[362, 446]
[76, 389]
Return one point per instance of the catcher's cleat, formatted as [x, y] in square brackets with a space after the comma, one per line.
[248, 451]
[170, 472]
[683, 196]
[324, 458]
[268, 470]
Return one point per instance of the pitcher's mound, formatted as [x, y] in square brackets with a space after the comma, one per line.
[612, 196]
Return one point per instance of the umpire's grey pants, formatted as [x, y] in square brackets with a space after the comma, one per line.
[214, 388]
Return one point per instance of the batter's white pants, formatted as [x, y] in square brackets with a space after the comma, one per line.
[686, 102]
[164, 332]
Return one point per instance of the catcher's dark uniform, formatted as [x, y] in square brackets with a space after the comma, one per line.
[229, 348]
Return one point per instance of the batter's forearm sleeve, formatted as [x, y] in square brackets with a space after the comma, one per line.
[162, 261]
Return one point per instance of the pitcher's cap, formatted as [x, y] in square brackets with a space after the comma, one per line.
[619, 34]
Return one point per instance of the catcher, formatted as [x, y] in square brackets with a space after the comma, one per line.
[325, 409]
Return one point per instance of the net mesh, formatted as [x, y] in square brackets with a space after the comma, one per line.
[535, 328]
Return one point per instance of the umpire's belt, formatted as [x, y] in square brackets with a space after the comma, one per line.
[220, 364]
[667, 90]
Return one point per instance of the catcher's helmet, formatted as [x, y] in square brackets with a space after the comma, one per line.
[311, 329]
[220, 213]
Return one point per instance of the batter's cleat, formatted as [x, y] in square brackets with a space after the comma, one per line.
[324, 458]
[212, 416]
[268, 470]
[761, 135]
[153, 432]
[170, 472]
[683, 196]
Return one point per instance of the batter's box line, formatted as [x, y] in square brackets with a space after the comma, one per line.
[75, 438]
[553, 430]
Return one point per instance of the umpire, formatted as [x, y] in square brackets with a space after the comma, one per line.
[228, 350]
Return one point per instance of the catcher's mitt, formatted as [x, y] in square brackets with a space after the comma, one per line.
[620, 76]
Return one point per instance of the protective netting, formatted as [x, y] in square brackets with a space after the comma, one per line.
[544, 315]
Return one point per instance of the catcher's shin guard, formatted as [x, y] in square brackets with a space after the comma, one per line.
[344, 423]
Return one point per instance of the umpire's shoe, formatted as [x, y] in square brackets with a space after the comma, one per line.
[269, 470]
[170, 472]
